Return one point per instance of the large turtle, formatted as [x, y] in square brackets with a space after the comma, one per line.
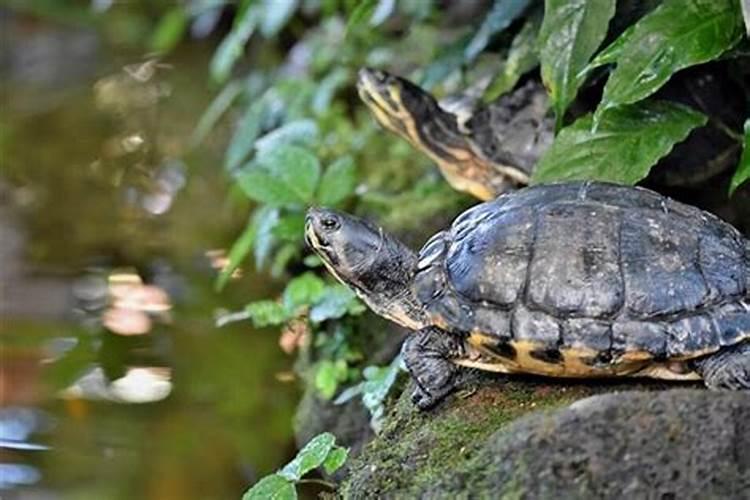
[577, 279]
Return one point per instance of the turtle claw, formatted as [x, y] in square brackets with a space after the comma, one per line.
[422, 399]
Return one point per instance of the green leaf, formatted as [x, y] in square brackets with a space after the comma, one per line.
[522, 57]
[335, 459]
[361, 15]
[265, 241]
[333, 303]
[262, 186]
[311, 456]
[675, 35]
[627, 143]
[282, 257]
[300, 132]
[215, 111]
[273, 487]
[447, 60]
[170, 30]
[233, 45]
[611, 53]
[571, 31]
[266, 313]
[328, 376]
[327, 87]
[302, 291]
[243, 138]
[503, 13]
[338, 182]
[275, 15]
[746, 15]
[241, 247]
[743, 169]
[290, 227]
[297, 167]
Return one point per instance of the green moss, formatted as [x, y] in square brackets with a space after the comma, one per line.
[418, 448]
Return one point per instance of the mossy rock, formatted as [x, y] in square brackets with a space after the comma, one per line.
[447, 452]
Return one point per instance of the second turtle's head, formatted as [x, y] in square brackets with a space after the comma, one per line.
[407, 110]
[378, 267]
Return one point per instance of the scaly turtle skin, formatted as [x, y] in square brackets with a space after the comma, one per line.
[487, 153]
[577, 279]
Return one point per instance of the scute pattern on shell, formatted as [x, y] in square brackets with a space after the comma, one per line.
[593, 266]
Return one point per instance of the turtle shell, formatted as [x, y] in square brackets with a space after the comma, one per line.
[586, 278]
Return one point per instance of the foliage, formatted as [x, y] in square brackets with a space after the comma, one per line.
[743, 171]
[379, 381]
[321, 451]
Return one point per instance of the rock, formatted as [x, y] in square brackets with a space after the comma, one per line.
[677, 443]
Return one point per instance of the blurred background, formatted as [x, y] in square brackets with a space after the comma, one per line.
[160, 317]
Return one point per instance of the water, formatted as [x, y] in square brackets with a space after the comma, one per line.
[115, 382]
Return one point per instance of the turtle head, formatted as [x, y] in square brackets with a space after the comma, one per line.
[411, 112]
[379, 268]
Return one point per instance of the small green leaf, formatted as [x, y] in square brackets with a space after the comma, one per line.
[233, 45]
[265, 241]
[260, 185]
[611, 53]
[333, 303]
[241, 247]
[297, 167]
[275, 15]
[522, 57]
[338, 182]
[311, 456]
[327, 87]
[627, 143]
[243, 138]
[503, 13]
[273, 487]
[285, 254]
[675, 35]
[361, 15]
[335, 459]
[215, 111]
[303, 290]
[170, 30]
[328, 376]
[742, 174]
[266, 313]
[290, 227]
[571, 31]
[299, 132]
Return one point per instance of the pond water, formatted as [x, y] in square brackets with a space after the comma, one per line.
[115, 382]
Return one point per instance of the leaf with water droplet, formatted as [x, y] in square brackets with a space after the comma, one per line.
[627, 143]
[675, 35]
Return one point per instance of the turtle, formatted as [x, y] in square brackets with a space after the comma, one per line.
[575, 279]
[493, 148]
[484, 152]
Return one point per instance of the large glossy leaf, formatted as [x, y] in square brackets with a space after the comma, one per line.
[571, 31]
[275, 15]
[503, 13]
[312, 455]
[627, 143]
[742, 174]
[273, 487]
[677, 34]
[338, 181]
[233, 45]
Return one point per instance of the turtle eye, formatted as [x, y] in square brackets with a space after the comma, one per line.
[330, 223]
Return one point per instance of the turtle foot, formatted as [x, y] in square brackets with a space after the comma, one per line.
[727, 369]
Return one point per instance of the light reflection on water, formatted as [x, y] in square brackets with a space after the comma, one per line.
[115, 382]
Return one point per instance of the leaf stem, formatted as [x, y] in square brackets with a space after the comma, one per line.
[321, 482]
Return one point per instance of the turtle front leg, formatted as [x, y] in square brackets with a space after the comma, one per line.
[427, 354]
[727, 369]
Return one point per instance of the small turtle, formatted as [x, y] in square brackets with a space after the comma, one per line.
[484, 153]
[577, 279]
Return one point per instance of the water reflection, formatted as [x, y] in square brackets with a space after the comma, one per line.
[115, 382]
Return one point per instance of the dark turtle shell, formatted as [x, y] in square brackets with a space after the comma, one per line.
[583, 277]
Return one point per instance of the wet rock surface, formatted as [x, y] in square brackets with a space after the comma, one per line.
[533, 439]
